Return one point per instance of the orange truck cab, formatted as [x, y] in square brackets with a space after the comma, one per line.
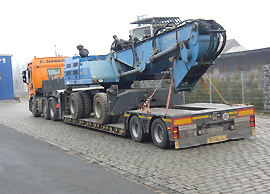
[39, 72]
[41, 69]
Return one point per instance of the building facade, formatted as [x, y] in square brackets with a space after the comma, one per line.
[246, 61]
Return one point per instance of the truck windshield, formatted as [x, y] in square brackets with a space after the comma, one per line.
[140, 32]
[56, 71]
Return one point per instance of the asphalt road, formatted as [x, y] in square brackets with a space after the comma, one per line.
[241, 166]
[31, 166]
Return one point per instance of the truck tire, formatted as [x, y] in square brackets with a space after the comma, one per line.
[76, 105]
[87, 104]
[159, 134]
[53, 111]
[136, 129]
[34, 108]
[101, 108]
[45, 110]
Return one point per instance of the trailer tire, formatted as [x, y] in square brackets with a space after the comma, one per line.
[76, 106]
[159, 134]
[45, 110]
[34, 108]
[136, 129]
[101, 108]
[53, 111]
[87, 104]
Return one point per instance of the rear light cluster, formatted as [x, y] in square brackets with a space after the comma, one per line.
[252, 121]
[175, 133]
[247, 112]
[181, 122]
[98, 80]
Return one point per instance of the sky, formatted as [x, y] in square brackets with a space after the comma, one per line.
[31, 28]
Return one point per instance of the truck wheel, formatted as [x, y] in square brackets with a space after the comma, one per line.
[136, 130]
[159, 134]
[53, 111]
[34, 109]
[45, 110]
[76, 106]
[101, 108]
[87, 104]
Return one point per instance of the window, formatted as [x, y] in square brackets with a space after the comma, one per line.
[29, 75]
[54, 71]
[140, 32]
[233, 68]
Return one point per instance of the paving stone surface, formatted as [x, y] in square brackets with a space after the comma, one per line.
[241, 166]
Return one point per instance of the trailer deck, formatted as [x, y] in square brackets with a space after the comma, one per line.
[195, 124]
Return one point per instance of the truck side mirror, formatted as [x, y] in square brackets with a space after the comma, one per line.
[25, 77]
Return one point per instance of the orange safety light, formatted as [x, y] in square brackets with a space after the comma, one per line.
[95, 81]
[57, 106]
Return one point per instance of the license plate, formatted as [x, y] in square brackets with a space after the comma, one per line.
[217, 138]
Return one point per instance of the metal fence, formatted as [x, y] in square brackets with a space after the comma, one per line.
[266, 69]
[234, 88]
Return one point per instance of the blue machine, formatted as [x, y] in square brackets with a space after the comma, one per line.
[186, 49]
[6, 79]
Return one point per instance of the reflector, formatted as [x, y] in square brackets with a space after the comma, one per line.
[245, 112]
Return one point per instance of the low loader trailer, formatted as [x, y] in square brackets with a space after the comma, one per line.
[98, 91]
[187, 126]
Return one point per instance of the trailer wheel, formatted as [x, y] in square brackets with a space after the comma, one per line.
[34, 108]
[159, 134]
[87, 104]
[45, 110]
[53, 111]
[136, 129]
[101, 108]
[76, 106]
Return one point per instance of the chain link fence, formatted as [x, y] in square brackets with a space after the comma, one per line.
[266, 69]
[234, 88]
